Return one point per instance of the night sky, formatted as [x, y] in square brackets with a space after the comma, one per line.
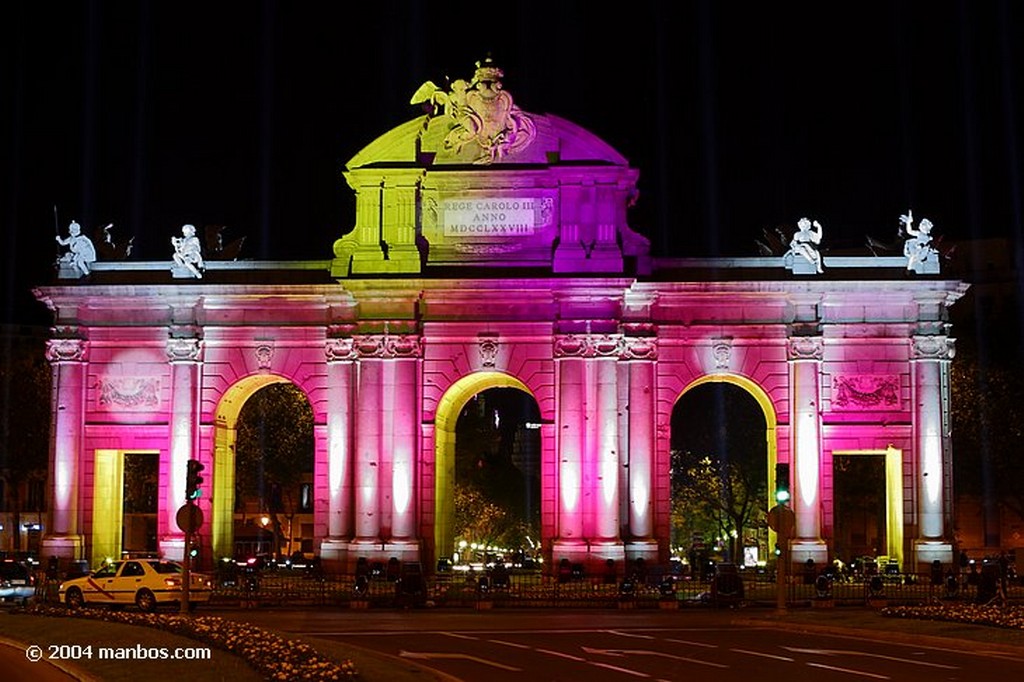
[739, 116]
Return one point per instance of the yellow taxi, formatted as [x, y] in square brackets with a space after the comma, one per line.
[143, 582]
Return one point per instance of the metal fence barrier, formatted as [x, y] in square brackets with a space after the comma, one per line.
[283, 587]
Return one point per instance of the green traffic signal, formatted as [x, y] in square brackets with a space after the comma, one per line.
[193, 480]
[782, 483]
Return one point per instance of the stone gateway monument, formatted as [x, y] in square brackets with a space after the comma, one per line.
[491, 248]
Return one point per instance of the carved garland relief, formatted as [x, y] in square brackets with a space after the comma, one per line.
[129, 393]
[866, 392]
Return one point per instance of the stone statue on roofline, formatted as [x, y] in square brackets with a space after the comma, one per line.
[803, 256]
[188, 255]
[80, 256]
[922, 257]
[482, 116]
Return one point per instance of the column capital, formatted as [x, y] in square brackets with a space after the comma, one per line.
[59, 351]
[387, 345]
[184, 350]
[805, 348]
[340, 349]
[932, 348]
[639, 348]
[588, 345]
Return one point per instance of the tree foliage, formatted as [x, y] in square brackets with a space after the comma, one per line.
[988, 429]
[25, 395]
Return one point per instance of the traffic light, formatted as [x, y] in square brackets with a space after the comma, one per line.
[193, 480]
[782, 483]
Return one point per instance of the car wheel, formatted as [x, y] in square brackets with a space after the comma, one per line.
[145, 600]
[74, 598]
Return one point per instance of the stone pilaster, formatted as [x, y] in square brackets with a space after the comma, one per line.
[63, 535]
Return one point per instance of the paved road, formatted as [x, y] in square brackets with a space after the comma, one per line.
[15, 665]
[600, 647]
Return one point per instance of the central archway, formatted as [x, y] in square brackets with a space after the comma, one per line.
[445, 419]
[768, 409]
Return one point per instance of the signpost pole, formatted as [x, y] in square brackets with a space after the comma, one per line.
[186, 569]
[189, 519]
[782, 520]
[780, 573]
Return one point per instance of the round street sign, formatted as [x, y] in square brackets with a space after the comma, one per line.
[189, 518]
[781, 519]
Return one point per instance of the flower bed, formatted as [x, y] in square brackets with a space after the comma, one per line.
[273, 656]
[995, 616]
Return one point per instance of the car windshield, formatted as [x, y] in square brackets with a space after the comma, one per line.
[9, 569]
[108, 570]
[165, 567]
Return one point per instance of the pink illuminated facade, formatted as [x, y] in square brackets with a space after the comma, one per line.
[491, 249]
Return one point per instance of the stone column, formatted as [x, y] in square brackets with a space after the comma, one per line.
[570, 375]
[588, 458]
[639, 354]
[69, 359]
[930, 357]
[340, 360]
[185, 356]
[603, 438]
[401, 393]
[805, 356]
[386, 446]
[366, 482]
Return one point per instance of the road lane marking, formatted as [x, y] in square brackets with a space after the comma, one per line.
[458, 636]
[627, 634]
[868, 654]
[762, 654]
[635, 673]
[848, 670]
[561, 655]
[686, 641]
[512, 644]
[647, 652]
[430, 655]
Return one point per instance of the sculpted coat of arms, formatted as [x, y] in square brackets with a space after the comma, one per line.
[481, 112]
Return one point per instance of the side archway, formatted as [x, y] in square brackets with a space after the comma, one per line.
[222, 505]
[445, 420]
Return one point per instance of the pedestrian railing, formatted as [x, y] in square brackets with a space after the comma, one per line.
[305, 588]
